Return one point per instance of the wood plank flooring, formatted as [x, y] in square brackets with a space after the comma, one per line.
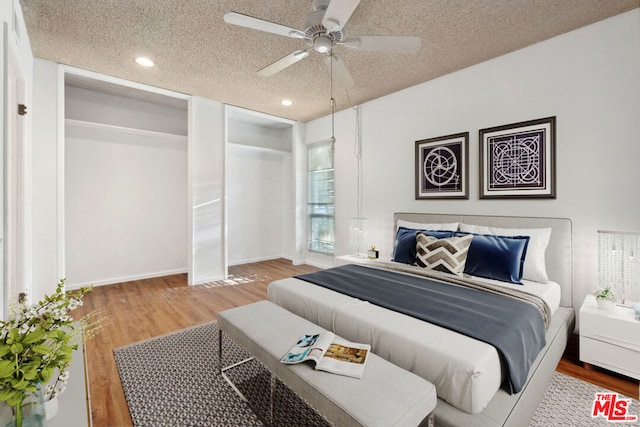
[144, 309]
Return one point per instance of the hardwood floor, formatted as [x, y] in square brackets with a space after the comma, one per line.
[144, 309]
[570, 365]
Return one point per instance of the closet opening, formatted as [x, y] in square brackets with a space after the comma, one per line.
[259, 187]
[125, 163]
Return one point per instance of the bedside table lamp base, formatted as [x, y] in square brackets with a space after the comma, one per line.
[619, 265]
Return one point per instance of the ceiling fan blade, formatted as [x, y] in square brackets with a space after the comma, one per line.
[338, 13]
[242, 20]
[401, 44]
[340, 72]
[283, 63]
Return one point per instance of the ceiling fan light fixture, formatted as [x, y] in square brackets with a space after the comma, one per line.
[322, 44]
[321, 30]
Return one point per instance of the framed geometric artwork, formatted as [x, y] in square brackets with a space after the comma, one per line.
[518, 160]
[442, 167]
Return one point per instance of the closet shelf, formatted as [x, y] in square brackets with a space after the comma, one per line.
[133, 131]
[257, 148]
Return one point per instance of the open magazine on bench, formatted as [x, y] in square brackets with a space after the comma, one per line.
[330, 353]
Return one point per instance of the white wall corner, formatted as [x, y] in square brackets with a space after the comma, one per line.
[300, 193]
[206, 180]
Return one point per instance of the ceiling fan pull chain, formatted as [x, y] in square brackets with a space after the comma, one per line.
[333, 103]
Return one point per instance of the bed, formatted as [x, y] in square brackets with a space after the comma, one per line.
[469, 374]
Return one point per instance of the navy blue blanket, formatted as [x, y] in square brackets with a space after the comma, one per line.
[515, 328]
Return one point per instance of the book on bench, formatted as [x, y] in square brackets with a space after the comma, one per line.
[330, 354]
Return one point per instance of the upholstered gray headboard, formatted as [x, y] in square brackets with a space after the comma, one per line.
[558, 255]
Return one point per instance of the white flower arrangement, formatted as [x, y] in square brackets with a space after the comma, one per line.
[36, 341]
[605, 293]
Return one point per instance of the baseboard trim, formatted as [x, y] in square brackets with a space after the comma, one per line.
[317, 264]
[112, 281]
[249, 261]
[207, 280]
[122, 279]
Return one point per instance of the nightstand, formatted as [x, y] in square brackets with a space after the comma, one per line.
[358, 259]
[610, 338]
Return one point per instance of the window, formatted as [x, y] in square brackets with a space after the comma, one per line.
[320, 199]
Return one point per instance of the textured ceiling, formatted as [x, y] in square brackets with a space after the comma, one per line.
[197, 53]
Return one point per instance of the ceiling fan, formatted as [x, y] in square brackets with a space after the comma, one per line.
[323, 29]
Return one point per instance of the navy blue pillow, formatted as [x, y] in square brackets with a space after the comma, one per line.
[497, 257]
[405, 249]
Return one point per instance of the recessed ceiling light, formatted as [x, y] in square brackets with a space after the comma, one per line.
[286, 102]
[145, 62]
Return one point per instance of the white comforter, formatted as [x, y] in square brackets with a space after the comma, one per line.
[466, 372]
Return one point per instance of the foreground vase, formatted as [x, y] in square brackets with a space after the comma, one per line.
[51, 408]
[605, 304]
[31, 413]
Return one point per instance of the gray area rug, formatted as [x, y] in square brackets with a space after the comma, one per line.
[568, 402]
[173, 380]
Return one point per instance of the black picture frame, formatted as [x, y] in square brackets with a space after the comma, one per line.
[442, 167]
[518, 160]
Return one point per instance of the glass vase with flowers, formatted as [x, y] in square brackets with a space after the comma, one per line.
[36, 341]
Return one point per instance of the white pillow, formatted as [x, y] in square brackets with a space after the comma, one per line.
[534, 263]
[451, 226]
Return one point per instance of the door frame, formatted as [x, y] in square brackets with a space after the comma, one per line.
[14, 244]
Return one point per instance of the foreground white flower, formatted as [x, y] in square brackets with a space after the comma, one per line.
[36, 341]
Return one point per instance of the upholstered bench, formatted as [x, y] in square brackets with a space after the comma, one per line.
[385, 396]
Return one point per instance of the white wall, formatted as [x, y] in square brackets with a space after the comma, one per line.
[125, 193]
[257, 135]
[48, 170]
[99, 107]
[298, 227]
[258, 187]
[588, 79]
[47, 270]
[204, 191]
[206, 196]
[288, 205]
[255, 180]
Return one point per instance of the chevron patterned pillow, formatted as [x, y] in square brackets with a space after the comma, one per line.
[447, 255]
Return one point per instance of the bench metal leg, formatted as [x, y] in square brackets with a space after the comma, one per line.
[430, 421]
[272, 378]
[226, 368]
[272, 389]
[220, 350]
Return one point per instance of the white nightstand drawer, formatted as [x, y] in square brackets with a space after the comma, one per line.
[617, 327]
[609, 356]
